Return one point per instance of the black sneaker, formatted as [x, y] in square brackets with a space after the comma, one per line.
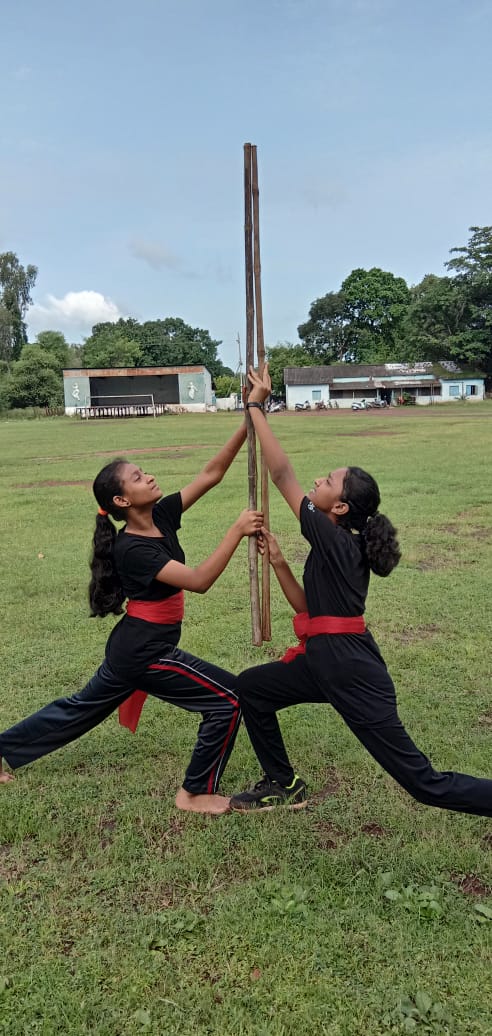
[267, 795]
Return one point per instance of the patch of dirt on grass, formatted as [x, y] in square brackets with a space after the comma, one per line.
[177, 448]
[471, 512]
[328, 835]
[152, 898]
[157, 449]
[485, 719]
[430, 564]
[10, 868]
[471, 885]
[369, 432]
[53, 482]
[475, 532]
[105, 828]
[276, 653]
[332, 787]
[166, 841]
[408, 636]
[479, 533]
[374, 830]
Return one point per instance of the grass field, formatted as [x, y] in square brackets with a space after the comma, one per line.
[363, 915]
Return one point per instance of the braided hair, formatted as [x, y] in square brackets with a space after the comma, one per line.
[105, 590]
[378, 534]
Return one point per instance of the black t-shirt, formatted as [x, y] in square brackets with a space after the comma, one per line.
[336, 573]
[134, 643]
[348, 667]
[336, 581]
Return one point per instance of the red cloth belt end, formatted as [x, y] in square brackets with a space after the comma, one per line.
[305, 627]
[167, 613]
[129, 712]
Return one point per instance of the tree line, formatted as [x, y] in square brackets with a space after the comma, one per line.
[374, 317]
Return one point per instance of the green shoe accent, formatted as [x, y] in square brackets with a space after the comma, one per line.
[268, 795]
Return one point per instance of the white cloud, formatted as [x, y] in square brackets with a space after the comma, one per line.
[75, 313]
[154, 254]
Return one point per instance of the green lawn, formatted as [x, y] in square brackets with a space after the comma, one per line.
[120, 916]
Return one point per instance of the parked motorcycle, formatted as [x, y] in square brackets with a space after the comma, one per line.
[321, 405]
[275, 408]
[303, 406]
[360, 404]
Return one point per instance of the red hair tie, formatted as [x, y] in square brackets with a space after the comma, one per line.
[101, 511]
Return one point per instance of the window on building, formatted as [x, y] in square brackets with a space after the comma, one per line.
[471, 390]
[454, 390]
[316, 395]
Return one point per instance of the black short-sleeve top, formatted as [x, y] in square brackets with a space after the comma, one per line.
[336, 573]
[133, 644]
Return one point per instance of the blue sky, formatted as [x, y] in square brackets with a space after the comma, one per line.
[123, 127]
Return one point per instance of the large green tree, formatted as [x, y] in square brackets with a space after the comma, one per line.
[165, 343]
[16, 284]
[109, 347]
[376, 303]
[434, 317]
[55, 344]
[451, 317]
[475, 258]
[281, 356]
[362, 322]
[225, 384]
[472, 268]
[35, 379]
[327, 336]
[6, 335]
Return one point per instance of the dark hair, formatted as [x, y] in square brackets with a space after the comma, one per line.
[361, 493]
[105, 590]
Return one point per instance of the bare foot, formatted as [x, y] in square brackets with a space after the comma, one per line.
[5, 777]
[214, 804]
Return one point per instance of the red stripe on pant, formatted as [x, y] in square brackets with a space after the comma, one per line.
[222, 694]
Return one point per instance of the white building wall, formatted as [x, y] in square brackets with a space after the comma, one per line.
[300, 393]
[471, 389]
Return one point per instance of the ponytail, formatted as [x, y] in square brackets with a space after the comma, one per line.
[378, 534]
[381, 545]
[106, 593]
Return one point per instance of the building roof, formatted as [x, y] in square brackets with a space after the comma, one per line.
[378, 374]
[134, 372]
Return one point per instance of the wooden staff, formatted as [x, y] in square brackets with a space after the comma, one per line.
[250, 346]
[266, 625]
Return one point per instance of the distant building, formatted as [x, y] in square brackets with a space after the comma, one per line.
[345, 383]
[124, 391]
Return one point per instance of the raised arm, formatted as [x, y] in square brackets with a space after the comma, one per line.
[214, 470]
[278, 463]
[291, 589]
[201, 578]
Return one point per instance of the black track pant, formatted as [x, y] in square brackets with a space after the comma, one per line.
[368, 707]
[176, 677]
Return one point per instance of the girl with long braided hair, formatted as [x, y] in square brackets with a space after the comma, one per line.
[144, 564]
[337, 660]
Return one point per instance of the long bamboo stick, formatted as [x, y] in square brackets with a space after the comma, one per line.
[250, 345]
[266, 625]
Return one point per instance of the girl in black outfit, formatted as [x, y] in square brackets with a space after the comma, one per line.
[145, 563]
[337, 660]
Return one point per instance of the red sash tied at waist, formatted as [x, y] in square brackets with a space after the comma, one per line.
[305, 627]
[166, 613]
